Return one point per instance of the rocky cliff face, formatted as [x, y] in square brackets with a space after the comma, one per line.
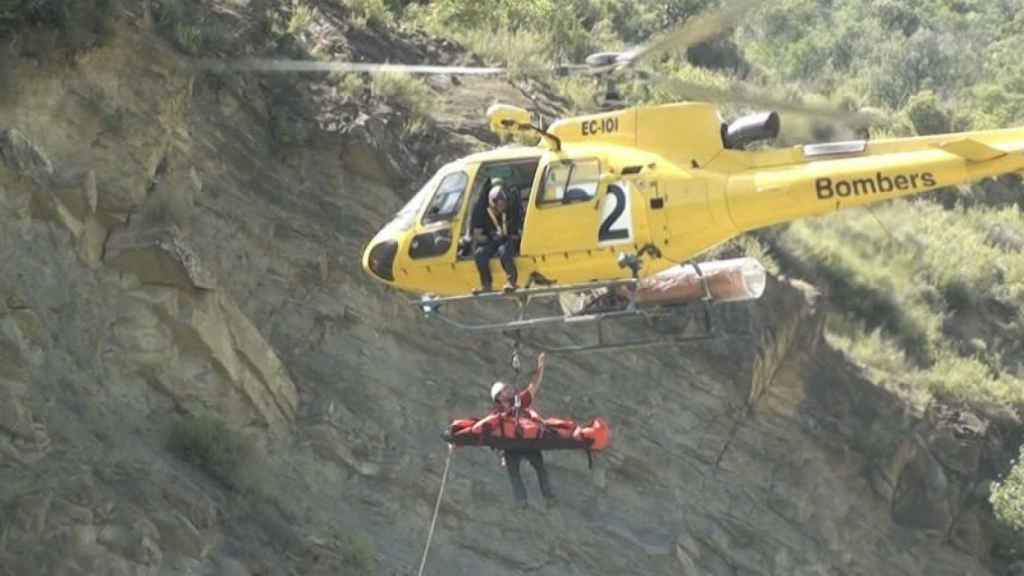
[166, 254]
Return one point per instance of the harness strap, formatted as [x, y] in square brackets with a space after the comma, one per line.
[503, 225]
[517, 407]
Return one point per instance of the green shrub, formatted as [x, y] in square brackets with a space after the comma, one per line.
[958, 295]
[580, 92]
[1008, 496]
[926, 115]
[359, 553]
[179, 21]
[970, 380]
[62, 24]
[407, 93]
[222, 452]
[300, 20]
[872, 348]
[898, 16]
[515, 49]
[489, 14]
[370, 12]
[997, 105]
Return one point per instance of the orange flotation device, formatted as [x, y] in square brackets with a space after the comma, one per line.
[507, 432]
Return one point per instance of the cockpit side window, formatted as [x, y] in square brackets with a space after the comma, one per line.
[447, 200]
[570, 181]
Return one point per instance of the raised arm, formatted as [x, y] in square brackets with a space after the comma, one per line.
[534, 386]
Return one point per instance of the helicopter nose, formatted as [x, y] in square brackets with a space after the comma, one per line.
[380, 259]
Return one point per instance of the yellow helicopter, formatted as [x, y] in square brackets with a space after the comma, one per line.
[616, 198]
[627, 194]
[614, 201]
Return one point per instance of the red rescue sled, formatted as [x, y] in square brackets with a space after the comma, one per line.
[524, 433]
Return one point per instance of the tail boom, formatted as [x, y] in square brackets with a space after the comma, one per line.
[770, 196]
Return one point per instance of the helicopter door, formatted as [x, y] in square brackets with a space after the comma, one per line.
[564, 217]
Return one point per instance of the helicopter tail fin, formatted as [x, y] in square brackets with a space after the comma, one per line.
[972, 150]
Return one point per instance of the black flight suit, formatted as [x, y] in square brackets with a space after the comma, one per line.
[505, 246]
[536, 459]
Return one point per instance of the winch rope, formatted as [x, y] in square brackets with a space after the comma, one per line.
[437, 507]
[884, 228]
[516, 364]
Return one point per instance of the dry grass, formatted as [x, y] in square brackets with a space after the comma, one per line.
[899, 274]
[408, 94]
[219, 450]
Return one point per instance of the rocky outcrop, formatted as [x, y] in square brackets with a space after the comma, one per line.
[160, 257]
[79, 524]
[23, 157]
[204, 354]
[23, 437]
[192, 342]
[932, 468]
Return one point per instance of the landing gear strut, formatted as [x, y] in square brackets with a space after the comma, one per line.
[656, 298]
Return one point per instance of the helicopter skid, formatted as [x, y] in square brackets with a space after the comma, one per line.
[656, 300]
[432, 307]
[600, 312]
[524, 293]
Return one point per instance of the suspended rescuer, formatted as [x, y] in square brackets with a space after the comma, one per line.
[508, 402]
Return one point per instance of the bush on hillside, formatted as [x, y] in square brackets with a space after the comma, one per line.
[1008, 496]
[926, 114]
[59, 24]
[219, 450]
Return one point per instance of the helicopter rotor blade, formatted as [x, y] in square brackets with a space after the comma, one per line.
[694, 31]
[281, 65]
[742, 95]
[603, 66]
[284, 65]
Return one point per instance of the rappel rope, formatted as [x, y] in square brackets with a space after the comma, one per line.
[437, 508]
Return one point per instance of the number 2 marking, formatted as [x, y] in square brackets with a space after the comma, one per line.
[606, 233]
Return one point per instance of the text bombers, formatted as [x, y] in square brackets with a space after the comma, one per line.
[827, 187]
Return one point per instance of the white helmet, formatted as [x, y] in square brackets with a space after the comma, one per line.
[496, 389]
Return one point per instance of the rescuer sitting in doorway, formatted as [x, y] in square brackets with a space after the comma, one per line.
[496, 226]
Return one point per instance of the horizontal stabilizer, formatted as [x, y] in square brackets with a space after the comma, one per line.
[972, 150]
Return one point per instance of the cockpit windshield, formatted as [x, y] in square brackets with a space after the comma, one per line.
[406, 217]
